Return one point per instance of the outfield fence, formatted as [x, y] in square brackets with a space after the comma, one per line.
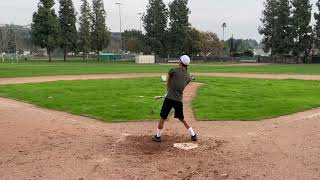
[288, 60]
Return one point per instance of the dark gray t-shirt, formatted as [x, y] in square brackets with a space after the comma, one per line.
[179, 79]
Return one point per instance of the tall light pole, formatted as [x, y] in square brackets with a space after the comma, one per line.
[224, 25]
[141, 14]
[120, 4]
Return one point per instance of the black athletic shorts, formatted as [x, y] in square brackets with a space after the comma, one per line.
[168, 104]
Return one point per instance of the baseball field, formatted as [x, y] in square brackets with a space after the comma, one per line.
[77, 68]
[96, 120]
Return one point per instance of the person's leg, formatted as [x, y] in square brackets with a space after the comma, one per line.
[189, 128]
[178, 107]
[160, 127]
[161, 123]
[166, 108]
[185, 123]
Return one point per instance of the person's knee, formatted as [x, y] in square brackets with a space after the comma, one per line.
[163, 117]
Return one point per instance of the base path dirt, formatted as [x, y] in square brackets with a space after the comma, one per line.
[36, 143]
[122, 76]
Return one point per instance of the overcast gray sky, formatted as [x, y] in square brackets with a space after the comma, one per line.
[242, 16]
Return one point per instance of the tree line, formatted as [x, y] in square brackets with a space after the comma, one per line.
[51, 31]
[287, 29]
[168, 31]
[199, 43]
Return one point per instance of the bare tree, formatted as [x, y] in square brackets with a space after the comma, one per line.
[210, 44]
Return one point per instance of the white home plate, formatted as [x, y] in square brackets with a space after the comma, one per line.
[185, 146]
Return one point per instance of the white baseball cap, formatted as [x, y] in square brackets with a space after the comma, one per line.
[185, 59]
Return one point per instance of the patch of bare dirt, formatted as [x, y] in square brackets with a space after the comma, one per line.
[37, 143]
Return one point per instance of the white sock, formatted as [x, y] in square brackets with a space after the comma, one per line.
[159, 131]
[191, 132]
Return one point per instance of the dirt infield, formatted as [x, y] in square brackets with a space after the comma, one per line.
[123, 76]
[37, 143]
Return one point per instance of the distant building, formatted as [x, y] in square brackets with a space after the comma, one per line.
[260, 52]
[26, 53]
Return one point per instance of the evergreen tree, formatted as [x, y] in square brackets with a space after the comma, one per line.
[45, 26]
[269, 24]
[84, 29]
[1, 45]
[68, 35]
[302, 30]
[100, 34]
[1, 41]
[233, 45]
[155, 23]
[277, 30]
[317, 26]
[179, 27]
[283, 30]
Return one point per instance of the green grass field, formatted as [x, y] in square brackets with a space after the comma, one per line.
[218, 99]
[253, 99]
[106, 100]
[76, 68]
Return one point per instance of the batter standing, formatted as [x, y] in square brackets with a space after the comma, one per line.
[178, 79]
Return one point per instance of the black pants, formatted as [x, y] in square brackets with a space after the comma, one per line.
[168, 104]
